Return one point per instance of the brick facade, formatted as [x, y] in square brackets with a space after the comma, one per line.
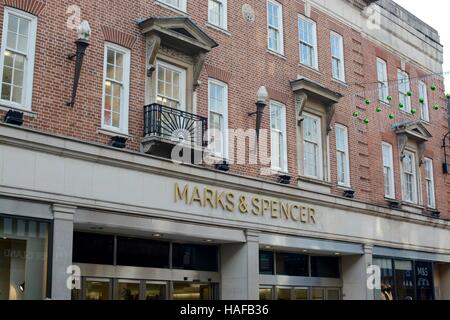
[243, 61]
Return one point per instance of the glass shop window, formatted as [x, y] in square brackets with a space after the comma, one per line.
[387, 277]
[292, 264]
[325, 267]
[142, 253]
[23, 259]
[404, 279]
[195, 257]
[93, 248]
[266, 262]
[424, 281]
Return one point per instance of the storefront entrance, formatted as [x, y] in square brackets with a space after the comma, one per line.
[126, 290]
[294, 293]
[122, 268]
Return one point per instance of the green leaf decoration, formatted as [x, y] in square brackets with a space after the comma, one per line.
[378, 109]
[389, 98]
[448, 96]
[433, 87]
[356, 114]
[366, 121]
[391, 116]
[367, 102]
[436, 107]
[413, 111]
[422, 100]
[401, 106]
[409, 93]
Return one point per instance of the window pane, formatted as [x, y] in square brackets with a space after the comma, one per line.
[424, 281]
[11, 40]
[142, 253]
[266, 262]
[265, 294]
[291, 264]
[404, 279]
[195, 257]
[155, 292]
[98, 290]
[93, 248]
[325, 267]
[17, 95]
[128, 290]
[283, 294]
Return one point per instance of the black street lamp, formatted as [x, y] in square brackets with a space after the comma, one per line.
[84, 33]
[260, 106]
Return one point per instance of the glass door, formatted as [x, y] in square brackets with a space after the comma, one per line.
[192, 291]
[128, 290]
[300, 294]
[317, 294]
[97, 289]
[334, 294]
[155, 291]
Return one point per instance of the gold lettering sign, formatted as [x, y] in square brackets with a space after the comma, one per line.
[256, 206]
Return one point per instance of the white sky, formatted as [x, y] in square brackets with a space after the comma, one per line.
[434, 13]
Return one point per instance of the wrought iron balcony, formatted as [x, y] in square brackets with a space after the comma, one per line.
[165, 125]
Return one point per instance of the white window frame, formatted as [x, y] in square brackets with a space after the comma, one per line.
[425, 107]
[312, 45]
[124, 105]
[340, 59]
[279, 30]
[182, 86]
[225, 152]
[182, 4]
[402, 75]
[223, 19]
[383, 81]
[415, 190]
[391, 167]
[430, 185]
[283, 157]
[320, 170]
[27, 93]
[346, 154]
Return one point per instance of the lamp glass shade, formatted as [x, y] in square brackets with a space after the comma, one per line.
[84, 31]
[262, 94]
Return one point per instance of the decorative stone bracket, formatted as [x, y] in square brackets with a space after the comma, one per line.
[153, 45]
[305, 89]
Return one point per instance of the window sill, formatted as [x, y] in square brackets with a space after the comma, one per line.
[412, 207]
[310, 68]
[277, 172]
[166, 6]
[218, 28]
[384, 103]
[113, 133]
[315, 185]
[340, 82]
[344, 187]
[26, 112]
[276, 54]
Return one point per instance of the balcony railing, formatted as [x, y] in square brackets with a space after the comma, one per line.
[174, 126]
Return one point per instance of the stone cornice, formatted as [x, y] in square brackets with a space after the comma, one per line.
[103, 154]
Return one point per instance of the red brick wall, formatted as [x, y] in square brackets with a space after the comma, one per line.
[241, 60]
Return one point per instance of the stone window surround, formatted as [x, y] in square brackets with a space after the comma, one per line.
[317, 100]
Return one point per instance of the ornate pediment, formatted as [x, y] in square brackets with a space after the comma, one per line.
[180, 34]
[305, 89]
[414, 131]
